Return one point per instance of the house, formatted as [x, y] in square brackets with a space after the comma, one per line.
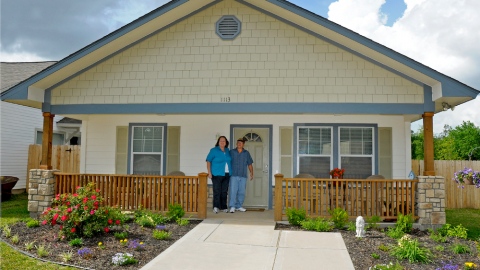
[22, 125]
[308, 95]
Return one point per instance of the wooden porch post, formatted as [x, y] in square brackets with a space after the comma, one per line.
[428, 143]
[278, 196]
[46, 163]
[202, 195]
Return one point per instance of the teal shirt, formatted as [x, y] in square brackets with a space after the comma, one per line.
[218, 159]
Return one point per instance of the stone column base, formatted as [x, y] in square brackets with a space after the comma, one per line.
[41, 191]
[430, 199]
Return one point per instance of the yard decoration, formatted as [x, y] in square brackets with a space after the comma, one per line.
[467, 177]
[82, 214]
[360, 224]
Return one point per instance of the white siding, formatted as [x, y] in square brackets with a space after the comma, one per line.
[199, 132]
[18, 124]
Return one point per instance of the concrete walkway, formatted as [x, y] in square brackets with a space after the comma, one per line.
[241, 244]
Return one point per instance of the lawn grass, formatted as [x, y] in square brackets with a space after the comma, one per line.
[15, 209]
[12, 259]
[469, 218]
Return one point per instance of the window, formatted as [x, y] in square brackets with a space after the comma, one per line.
[147, 150]
[314, 146]
[252, 137]
[356, 152]
[57, 138]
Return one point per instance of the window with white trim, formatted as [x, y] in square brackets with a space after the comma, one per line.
[356, 152]
[147, 150]
[315, 153]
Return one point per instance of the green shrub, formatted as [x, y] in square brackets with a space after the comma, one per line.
[145, 220]
[444, 229]
[351, 226]
[15, 239]
[183, 221]
[383, 248]
[373, 222]
[411, 250]
[318, 224]
[175, 211]
[458, 248]
[439, 248]
[42, 251]
[394, 233]
[121, 235]
[7, 231]
[436, 236]
[458, 232]
[161, 235]
[295, 216]
[405, 222]
[148, 218]
[339, 217]
[375, 256]
[76, 242]
[33, 223]
[390, 266]
[82, 214]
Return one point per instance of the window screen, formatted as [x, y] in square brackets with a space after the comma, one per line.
[147, 150]
[315, 151]
[356, 152]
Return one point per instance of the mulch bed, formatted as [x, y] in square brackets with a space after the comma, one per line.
[102, 257]
[360, 250]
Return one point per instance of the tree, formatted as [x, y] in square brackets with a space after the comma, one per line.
[465, 137]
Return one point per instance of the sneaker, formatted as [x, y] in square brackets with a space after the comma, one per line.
[215, 210]
[232, 210]
[241, 209]
[225, 210]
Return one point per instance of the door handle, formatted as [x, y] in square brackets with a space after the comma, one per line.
[266, 171]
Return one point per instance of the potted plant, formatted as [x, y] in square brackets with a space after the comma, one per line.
[337, 174]
[467, 177]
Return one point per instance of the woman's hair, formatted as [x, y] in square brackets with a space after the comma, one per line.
[218, 141]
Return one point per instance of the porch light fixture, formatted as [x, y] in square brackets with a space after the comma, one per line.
[447, 106]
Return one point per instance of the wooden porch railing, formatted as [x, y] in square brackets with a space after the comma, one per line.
[359, 197]
[151, 192]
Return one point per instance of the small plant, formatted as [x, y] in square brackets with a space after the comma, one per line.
[29, 246]
[123, 242]
[85, 253]
[437, 236]
[7, 231]
[351, 226]
[439, 248]
[394, 233]
[42, 251]
[161, 227]
[127, 227]
[66, 256]
[339, 217]
[161, 235]
[449, 266]
[101, 246]
[123, 259]
[76, 242]
[390, 266]
[175, 211]
[458, 232]
[121, 235]
[404, 222]
[373, 222]
[136, 245]
[146, 220]
[33, 223]
[15, 239]
[411, 250]
[470, 266]
[383, 248]
[317, 224]
[478, 246]
[458, 248]
[295, 216]
[183, 221]
[375, 256]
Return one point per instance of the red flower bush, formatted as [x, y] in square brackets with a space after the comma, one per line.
[82, 220]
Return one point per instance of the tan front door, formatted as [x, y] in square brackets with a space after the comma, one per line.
[257, 144]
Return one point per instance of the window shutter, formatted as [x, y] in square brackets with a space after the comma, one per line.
[173, 149]
[121, 151]
[385, 164]
[286, 151]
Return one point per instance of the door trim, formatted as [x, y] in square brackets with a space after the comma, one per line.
[270, 145]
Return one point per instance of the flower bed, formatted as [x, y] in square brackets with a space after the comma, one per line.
[102, 255]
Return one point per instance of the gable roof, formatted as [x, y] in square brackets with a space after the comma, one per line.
[178, 10]
[12, 73]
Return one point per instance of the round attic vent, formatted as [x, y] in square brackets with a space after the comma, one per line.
[228, 27]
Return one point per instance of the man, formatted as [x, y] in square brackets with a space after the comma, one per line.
[241, 159]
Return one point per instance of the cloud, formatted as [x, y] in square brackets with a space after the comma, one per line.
[53, 29]
[441, 34]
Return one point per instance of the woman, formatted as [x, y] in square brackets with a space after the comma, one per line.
[218, 165]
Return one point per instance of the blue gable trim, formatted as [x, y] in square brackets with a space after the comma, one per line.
[429, 104]
[192, 108]
[450, 86]
[164, 153]
[92, 47]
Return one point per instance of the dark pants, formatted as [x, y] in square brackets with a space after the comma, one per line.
[220, 191]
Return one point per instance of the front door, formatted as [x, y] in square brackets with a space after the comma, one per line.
[257, 143]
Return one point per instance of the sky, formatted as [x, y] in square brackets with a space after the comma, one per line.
[442, 34]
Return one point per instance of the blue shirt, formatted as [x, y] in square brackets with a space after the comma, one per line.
[240, 162]
[218, 159]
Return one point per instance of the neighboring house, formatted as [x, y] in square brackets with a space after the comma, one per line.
[22, 126]
[309, 95]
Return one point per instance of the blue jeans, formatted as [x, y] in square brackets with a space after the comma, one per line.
[237, 191]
